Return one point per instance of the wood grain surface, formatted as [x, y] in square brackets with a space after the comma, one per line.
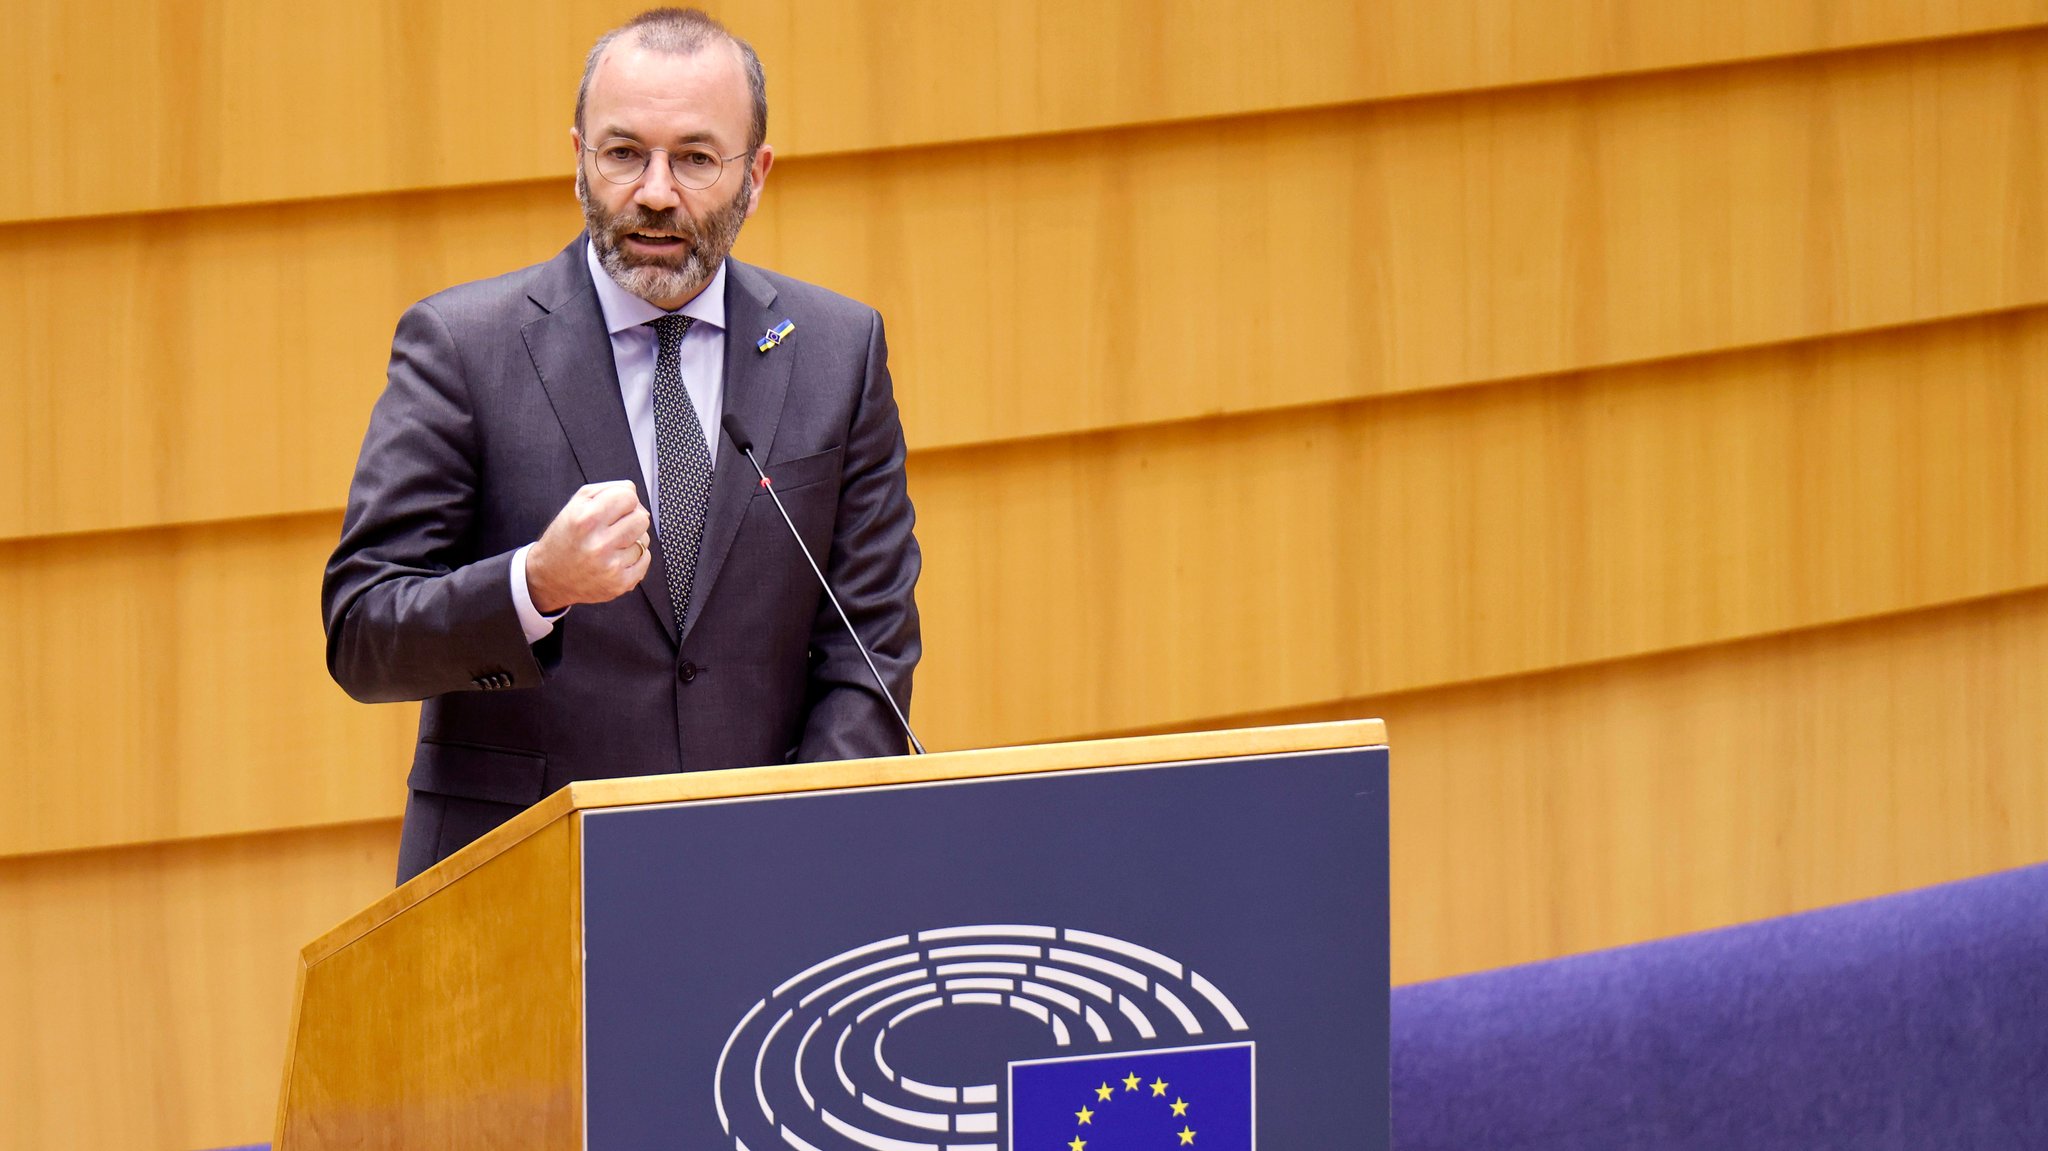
[127, 107]
[1640, 403]
[1348, 550]
[1058, 286]
[457, 1026]
[1591, 808]
[1154, 577]
[145, 991]
[1531, 816]
[173, 684]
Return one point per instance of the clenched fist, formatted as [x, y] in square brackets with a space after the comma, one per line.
[594, 552]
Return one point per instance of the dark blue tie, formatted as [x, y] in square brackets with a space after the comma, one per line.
[684, 460]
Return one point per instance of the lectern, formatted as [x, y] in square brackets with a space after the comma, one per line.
[1172, 941]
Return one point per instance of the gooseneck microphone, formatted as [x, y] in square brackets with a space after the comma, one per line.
[746, 448]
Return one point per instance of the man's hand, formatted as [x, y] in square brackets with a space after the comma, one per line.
[594, 552]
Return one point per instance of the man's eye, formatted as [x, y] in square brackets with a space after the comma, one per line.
[697, 159]
[621, 152]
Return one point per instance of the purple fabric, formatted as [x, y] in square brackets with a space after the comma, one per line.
[1914, 1021]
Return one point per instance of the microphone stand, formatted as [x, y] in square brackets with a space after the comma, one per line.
[746, 448]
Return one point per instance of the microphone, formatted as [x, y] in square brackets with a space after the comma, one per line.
[746, 448]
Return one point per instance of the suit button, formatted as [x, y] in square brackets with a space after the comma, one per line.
[687, 672]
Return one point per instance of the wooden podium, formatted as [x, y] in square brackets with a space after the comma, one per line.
[1174, 941]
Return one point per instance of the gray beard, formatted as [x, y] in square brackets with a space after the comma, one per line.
[654, 278]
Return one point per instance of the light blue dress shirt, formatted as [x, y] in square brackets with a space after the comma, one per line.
[634, 345]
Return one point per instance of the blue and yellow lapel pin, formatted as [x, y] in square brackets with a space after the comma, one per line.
[776, 335]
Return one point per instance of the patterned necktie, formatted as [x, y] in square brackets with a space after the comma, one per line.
[685, 462]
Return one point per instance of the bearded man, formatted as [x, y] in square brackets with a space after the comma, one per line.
[550, 540]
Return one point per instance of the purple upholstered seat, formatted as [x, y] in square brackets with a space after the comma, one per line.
[1912, 1022]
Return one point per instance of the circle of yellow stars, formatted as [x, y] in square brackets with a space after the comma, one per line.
[1105, 1093]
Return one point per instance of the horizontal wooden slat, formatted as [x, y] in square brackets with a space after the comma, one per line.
[123, 107]
[1568, 811]
[1149, 577]
[1154, 577]
[229, 358]
[173, 683]
[1049, 286]
[947, 72]
[1587, 809]
[146, 991]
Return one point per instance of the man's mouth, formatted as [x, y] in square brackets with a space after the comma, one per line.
[655, 239]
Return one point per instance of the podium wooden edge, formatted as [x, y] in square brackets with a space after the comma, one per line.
[291, 1052]
[632, 791]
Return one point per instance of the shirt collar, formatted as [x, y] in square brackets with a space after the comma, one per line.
[624, 311]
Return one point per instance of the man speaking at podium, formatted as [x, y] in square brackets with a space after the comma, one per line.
[546, 539]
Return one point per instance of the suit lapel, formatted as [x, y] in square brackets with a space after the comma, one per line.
[756, 383]
[572, 353]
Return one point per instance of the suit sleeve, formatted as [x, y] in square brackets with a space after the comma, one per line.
[410, 612]
[874, 566]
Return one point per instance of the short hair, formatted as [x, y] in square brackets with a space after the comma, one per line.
[682, 32]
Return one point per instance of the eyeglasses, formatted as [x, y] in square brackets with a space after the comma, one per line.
[695, 166]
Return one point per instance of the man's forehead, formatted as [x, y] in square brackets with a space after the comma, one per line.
[693, 94]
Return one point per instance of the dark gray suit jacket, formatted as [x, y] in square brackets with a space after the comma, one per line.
[502, 400]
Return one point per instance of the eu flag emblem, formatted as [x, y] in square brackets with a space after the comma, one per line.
[1198, 1097]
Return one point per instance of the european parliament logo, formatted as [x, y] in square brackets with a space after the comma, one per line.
[987, 1037]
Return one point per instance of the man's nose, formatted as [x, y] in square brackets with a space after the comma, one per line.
[658, 190]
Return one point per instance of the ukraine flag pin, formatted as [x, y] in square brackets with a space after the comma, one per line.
[776, 335]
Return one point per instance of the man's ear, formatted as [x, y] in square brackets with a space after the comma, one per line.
[764, 159]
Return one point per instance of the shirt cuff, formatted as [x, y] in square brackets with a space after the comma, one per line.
[535, 625]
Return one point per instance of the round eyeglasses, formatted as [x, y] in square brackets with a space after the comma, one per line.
[694, 166]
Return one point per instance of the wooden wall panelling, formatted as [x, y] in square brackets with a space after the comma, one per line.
[1050, 286]
[1075, 283]
[224, 362]
[930, 72]
[1158, 576]
[1154, 576]
[146, 990]
[125, 107]
[173, 683]
[167, 682]
[1596, 807]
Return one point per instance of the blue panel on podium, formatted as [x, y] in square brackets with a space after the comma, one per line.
[1172, 955]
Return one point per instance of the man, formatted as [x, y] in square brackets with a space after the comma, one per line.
[550, 540]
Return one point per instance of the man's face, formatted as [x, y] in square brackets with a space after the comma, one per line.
[660, 240]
